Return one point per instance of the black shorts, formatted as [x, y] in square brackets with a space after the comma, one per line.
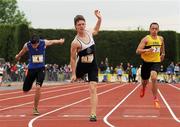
[37, 74]
[91, 70]
[147, 67]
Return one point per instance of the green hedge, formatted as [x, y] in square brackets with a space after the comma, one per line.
[8, 46]
[118, 46]
[178, 47]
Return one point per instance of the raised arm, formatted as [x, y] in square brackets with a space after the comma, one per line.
[98, 23]
[22, 52]
[54, 42]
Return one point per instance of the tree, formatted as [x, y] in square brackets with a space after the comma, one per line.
[21, 36]
[9, 13]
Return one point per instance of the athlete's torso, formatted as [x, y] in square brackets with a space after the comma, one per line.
[36, 55]
[86, 54]
[156, 45]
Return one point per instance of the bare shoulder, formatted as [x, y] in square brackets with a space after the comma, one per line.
[75, 44]
[25, 47]
[144, 39]
[161, 37]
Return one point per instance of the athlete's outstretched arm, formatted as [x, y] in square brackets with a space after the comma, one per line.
[140, 49]
[98, 23]
[22, 52]
[162, 49]
[53, 42]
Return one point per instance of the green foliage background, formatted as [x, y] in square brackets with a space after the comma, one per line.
[118, 46]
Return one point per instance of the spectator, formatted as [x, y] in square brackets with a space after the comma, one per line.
[177, 72]
[133, 71]
[119, 73]
[129, 72]
[170, 72]
[1, 73]
[102, 67]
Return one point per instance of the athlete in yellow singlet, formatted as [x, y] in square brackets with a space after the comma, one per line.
[152, 51]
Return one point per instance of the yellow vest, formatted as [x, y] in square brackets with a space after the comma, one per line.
[156, 45]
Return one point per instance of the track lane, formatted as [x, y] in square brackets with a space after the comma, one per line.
[26, 109]
[172, 98]
[140, 112]
[81, 106]
[9, 93]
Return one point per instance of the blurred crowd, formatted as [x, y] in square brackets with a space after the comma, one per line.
[123, 73]
[17, 72]
[131, 73]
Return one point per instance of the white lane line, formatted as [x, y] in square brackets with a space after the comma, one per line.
[66, 106]
[20, 91]
[169, 108]
[106, 117]
[27, 95]
[140, 116]
[31, 102]
[174, 86]
[8, 115]
[75, 116]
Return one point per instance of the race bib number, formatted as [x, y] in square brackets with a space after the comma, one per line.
[87, 59]
[156, 49]
[37, 58]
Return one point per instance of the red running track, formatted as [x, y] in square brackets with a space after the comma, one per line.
[68, 106]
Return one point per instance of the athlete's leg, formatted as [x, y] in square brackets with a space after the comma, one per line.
[93, 96]
[154, 83]
[154, 88]
[143, 83]
[40, 79]
[37, 98]
[29, 79]
[145, 74]
[93, 79]
[93, 100]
